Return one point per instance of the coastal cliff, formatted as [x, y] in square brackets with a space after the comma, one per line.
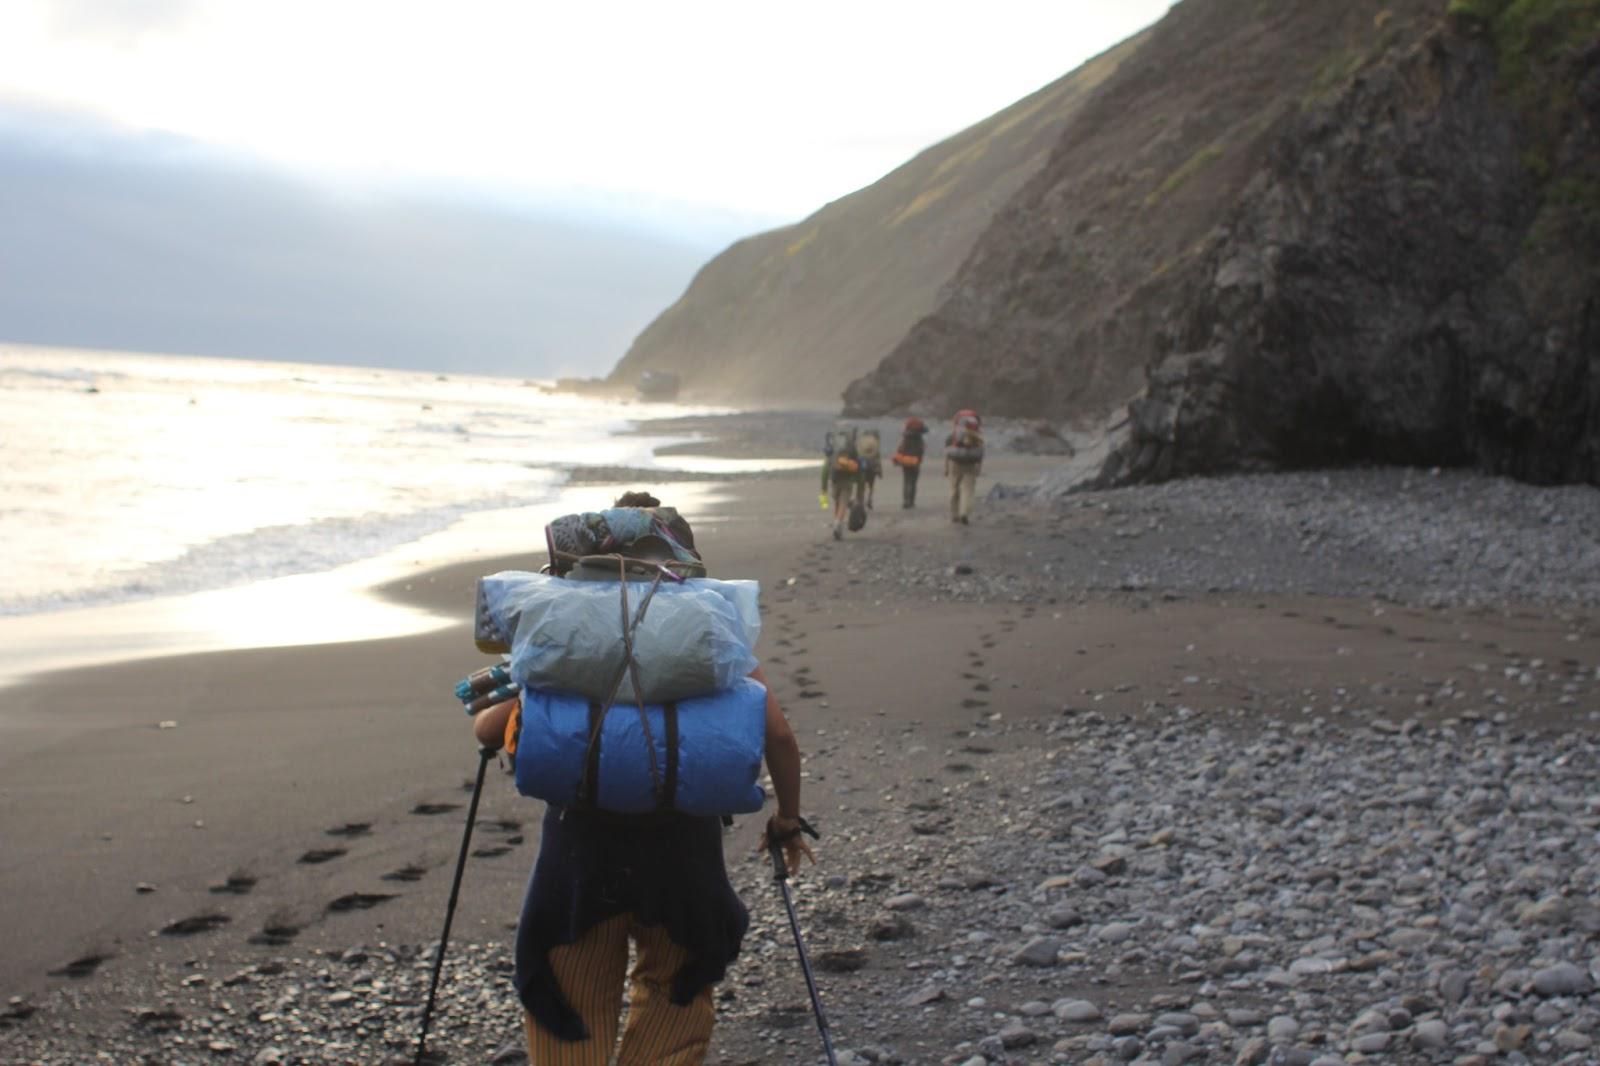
[1413, 277]
[1057, 311]
[790, 317]
[1300, 235]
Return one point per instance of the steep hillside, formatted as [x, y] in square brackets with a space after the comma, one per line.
[1302, 235]
[1414, 277]
[792, 316]
[1056, 311]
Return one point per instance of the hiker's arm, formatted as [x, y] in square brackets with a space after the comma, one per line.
[783, 763]
[783, 754]
[489, 724]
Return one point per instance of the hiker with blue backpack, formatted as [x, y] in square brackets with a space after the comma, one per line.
[638, 712]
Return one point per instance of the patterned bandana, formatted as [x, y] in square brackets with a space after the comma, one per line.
[614, 531]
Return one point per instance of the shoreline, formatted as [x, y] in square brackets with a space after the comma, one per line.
[263, 613]
[932, 673]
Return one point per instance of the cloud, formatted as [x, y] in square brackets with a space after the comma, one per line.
[118, 22]
[751, 106]
[145, 243]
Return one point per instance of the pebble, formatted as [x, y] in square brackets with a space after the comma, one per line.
[1430, 1034]
[1040, 951]
[1077, 1011]
[1017, 1035]
[1282, 1029]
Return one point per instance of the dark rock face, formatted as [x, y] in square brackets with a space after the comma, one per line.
[1397, 286]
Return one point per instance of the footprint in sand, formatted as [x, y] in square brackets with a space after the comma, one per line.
[812, 694]
[969, 703]
[235, 885]
[435, 808]
[409, 873]
[16, 1013]
[320, 855]
[350, 829]
[81, 967]
[511, 829]
[199, 923]
[490, 851]
[276, 933]
[981, 686]
[359, 901]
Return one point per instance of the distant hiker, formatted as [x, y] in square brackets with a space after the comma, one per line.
[870, 448]
[841, 477]
[908, 457]
[658, 879]
[963, 458]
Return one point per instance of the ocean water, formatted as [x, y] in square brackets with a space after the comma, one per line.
[125, 477]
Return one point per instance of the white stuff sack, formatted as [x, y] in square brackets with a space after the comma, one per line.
[696, 637]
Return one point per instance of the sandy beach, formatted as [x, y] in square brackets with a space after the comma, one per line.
[203, 889]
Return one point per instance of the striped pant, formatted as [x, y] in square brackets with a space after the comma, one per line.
[591, 974]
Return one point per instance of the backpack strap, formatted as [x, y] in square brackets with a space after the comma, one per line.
[588, 787]
[669, 785]
[589, 783]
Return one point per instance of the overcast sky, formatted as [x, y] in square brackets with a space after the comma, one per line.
[284, 149]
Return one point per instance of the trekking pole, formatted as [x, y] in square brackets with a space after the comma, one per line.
[780, 874]
[484, 755]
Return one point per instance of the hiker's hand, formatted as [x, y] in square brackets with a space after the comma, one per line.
[489, 725]
[793, 848]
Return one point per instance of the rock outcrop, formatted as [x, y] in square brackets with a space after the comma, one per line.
[1413, 278]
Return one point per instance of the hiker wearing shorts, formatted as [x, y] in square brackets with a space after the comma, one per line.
[659, 880]
[963, 459]
[840, 484]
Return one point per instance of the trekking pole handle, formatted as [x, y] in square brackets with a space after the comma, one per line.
[780, 868]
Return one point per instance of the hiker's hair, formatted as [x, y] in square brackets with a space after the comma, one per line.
[637, 499]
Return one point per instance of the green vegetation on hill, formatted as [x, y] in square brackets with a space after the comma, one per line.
[1530, 38]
